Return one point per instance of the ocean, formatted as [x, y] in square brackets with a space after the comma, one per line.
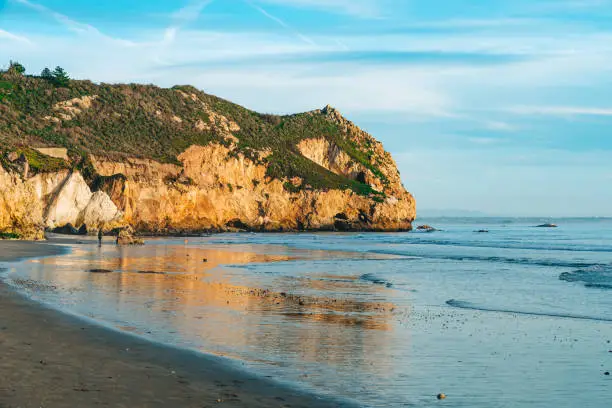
[517, 316]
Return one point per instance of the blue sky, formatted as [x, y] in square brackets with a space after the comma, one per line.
[497, 106]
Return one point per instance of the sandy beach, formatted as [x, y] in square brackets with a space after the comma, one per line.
[48, 359]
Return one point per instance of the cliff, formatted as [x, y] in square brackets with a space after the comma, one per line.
[182, 161]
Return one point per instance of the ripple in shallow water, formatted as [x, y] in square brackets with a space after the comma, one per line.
[597, 276]
[370, 277]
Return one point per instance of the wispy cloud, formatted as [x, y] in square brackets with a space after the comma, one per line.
[14, 37]
[475, 23]
[70, 24]
[583, 4]
[483, 141]
[499, 126]
[60, 18]
[561, 111]
[185, 15]
[356, 8]
[280, 22]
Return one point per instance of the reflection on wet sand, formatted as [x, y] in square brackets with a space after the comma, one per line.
[179, 278]
[188, 295]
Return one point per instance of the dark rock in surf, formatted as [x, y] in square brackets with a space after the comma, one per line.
[426, 228]
[100, 271]
[547, 226]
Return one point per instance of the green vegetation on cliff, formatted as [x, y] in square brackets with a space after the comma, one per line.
[146, 121]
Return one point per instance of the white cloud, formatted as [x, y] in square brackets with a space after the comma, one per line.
[70, 24]
[358, 8]
[561, 110]
[476, 23]
[499, 126]
[183, 16]
[14, 37]
[62, 19]
[483, 141]
[191, 11]
[280, 22]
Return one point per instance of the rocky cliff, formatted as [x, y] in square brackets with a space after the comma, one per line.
[181, 161]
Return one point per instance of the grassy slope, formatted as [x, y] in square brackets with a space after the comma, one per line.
[123, 122]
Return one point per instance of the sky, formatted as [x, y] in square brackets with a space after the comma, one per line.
[497, 106]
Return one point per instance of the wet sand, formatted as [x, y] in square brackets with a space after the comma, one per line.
[48, 359]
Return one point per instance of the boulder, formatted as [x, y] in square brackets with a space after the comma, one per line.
[100, 212]
[126, 237]
[547, 226]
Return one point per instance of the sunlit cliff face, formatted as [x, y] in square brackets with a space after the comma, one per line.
[225, 188]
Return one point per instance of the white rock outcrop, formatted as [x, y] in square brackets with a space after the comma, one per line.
[100, 212]
[70, 201]
[75, 204]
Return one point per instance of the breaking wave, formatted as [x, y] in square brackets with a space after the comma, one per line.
[496, 259]
[470, 306]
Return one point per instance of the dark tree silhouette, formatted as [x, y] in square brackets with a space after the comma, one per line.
[47, 74]
[60, 77]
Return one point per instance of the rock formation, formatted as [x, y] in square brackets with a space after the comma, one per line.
[215, 189]
[53, 200]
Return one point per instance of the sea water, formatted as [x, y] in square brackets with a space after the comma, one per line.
[517, 316]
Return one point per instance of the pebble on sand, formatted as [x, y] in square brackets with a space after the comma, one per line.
[441, 396]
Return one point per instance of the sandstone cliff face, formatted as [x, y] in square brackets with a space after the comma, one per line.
[215, 189]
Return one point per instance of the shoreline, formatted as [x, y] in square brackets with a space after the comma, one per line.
[54, 359]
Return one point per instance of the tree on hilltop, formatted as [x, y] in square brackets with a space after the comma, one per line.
[47, 74]
[16, 68]
[60, 77]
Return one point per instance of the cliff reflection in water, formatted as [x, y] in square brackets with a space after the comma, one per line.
[210, 300]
